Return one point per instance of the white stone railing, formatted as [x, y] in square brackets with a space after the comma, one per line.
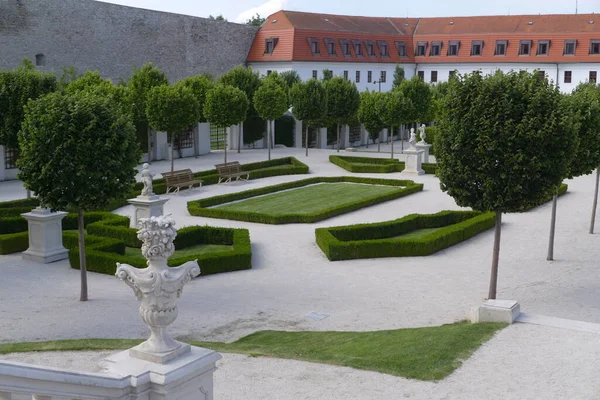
[24, 381]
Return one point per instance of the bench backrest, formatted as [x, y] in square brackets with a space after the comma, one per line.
[228, 168]
[183, 175]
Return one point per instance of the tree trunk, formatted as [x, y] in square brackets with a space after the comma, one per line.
[306, 140]
[392, 130]
[149, 132]
[592, 222]
[402, 138]
[550, 255]
[338, 137]
[269, 137]
[28, 193]
[379, 142]
[495, 257]
[172, 152]
[82, 265]
[240, 133]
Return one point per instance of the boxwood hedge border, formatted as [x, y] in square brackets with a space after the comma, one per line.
[201, 208]
[375, 165]
[378, 240]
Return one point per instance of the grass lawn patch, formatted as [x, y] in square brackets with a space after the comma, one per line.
[303, 201]
[188, 251]
[428, 354]
[375, 165]
[413, 235]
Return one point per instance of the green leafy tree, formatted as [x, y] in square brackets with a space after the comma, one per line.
[502, 145]
[271, 102]
[398, 76]
[256, 20]
[438, 91]
[199, 85]
[92, 81]
[369, 114]
[172, 109]
[79, 151]
[68, 75]
[395, 109]
[139, 85]
[226, 106]
[16, 88]
[219, 17]
[247, 81]
[290, 77]
[419, 94]
[343, 101]
[327, 75]
[309, 103]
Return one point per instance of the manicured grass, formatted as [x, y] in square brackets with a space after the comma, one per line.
[187, 252]
[428, 354]
[309, 199]
[419, 233]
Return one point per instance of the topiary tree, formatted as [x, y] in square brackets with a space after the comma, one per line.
[226, 106]
[419, 94]
[309, 104]
[172, 109]
[270, 101]
[343, 101]
[247, 81]
[501, 146]
[327, 75]
[395, 109]
[79, 151]
[199, 85]
[398, 76]
[290, 77]
[369, 113]
[139, 85]
[438, 91]
[92, 81]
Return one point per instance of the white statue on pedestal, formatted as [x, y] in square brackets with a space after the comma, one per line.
[158, 287]
[423, 134]
[147, 176]
[413, 138]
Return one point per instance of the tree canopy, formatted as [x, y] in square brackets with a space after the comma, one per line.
[290, 77]
[343, 100]
[244, 79]
[309, 101]
[256, 20]
[398, 76]
[199, 85]
[141, 82]
[16, 88]
[419, 94]
[225, 106]
[394, 108]
[172, 108]
[270, 100]
[369, 113]
[327, 74]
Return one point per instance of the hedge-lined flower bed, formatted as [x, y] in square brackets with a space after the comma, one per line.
[201, 207]
[375, 165]
[383, 239]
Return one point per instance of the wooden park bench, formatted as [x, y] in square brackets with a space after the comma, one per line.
[178, 179]
[230, 170]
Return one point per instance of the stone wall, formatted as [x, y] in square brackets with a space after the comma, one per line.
[113, 39]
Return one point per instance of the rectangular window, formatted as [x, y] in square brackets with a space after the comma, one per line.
[421, 75]
[330, 46]
[382, 76]
[10, 158]
[369, 76]
[401, 48]
[383, 48]
[595, 46]
[421, 48]
[315, 47]
[270, 44]
[436, 49]
[358, 49]
[453, 46]
[357, 76]
[543, 47]
[371, 49]
[524, 47]
[501, 47]
[452, 74]
[345, 44]
[269, 72]
[570, 46]
[568, 75]
[476, 47]
[313, 43]
[593, 76]
[433, 76]
[314, 74]
[345, 74]
[542, 74]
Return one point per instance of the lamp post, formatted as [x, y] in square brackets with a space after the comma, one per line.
[379, 138]
[378, 82]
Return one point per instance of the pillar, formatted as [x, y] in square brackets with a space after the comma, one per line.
[45, 236]
[323, 138]
[298, 135]
[203, 138]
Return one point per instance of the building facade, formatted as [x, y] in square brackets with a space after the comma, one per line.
[566, 48]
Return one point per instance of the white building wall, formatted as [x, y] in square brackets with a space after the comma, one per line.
[305, 70]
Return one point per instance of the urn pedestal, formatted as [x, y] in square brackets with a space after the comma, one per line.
[146, 207]
[412, 164]
[425, 148]
[45, 236]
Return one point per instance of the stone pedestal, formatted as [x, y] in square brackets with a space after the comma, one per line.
[189, 377]
[45, 236]
[425, 147]
[498, 311]
[146, 207]
[412, 165]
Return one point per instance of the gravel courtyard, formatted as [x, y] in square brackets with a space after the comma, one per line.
[292, 278]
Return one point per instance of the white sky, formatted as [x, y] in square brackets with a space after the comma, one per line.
[241, 10]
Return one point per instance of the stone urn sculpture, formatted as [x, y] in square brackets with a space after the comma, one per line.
[158, 288]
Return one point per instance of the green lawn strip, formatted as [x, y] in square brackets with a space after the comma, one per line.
[429, 354]
[187, 252]
[281, 214]
[375, 165]
[309, 199]
[419, 233]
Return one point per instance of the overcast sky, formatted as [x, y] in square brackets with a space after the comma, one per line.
[241, 10]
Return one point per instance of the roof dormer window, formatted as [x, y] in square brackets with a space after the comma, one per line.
[543, 47]
[453, 47]
[330, 46]
[436, 49]
[383, 49]
[421, 48]
[345, 45]
[370, 46]
[524, 47]
[270, 44]
[476, 47]
[570, 46]
[358, 49]
[595, 46]
[401, 48]
[501, 46]
[313, 43]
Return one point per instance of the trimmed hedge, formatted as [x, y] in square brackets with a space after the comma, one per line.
[379, 239]
[375, 165]
[201, 207]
